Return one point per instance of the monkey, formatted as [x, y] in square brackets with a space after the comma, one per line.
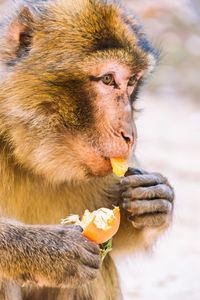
[71, 75]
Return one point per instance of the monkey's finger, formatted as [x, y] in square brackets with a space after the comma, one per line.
[90, 246]
[151, 220]
[59, 228]
[134, 171]
[90, 260]
[139, 207]
[78, 228]
[89, 273]
[160, 191]
[143, 180]
[71, 227]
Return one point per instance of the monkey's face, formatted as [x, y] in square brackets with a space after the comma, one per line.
[74, 130]
[110, 90]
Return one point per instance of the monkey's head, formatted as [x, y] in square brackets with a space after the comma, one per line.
[74, 69]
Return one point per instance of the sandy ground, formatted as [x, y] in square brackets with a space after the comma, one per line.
[169, 142]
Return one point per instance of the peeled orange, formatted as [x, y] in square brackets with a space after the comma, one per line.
[119, 166]
[101, 225]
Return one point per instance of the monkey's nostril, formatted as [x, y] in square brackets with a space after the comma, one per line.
[126, 138]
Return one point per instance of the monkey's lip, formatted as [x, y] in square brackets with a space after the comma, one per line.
[98, 166]
[105, 167]
[102, 166]
[107, 159]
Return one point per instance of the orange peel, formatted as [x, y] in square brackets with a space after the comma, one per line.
[119, 166]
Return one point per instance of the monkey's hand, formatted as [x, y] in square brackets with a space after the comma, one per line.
[148, 198]
[56, 256]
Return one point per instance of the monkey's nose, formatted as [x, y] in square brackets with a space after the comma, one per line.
[129, 138]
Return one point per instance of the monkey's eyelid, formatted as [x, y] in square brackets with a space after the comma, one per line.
[133, 77]
[98, 78]
[93, 78]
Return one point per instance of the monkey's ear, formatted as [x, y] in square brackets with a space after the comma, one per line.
[19, 33]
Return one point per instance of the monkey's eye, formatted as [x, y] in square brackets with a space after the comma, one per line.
[131, 81]
[108, 79]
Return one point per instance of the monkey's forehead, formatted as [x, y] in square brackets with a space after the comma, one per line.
[93, 26]
[136, 60]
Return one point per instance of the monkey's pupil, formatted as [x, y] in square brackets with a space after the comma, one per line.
[107, 79]
[131, 81]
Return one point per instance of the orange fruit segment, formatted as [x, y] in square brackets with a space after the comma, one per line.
[119, 166]
[100, 225]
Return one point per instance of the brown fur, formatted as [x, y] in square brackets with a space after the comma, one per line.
[45, 117]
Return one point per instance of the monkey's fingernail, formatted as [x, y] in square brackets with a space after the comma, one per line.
[125, 200]
[126, 205]
[126, 194]
[78, 227]
[125, 181]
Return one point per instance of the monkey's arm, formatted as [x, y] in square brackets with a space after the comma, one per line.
[146, 209]
[56, 256]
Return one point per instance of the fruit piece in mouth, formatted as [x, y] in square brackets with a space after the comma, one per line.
[119, 166]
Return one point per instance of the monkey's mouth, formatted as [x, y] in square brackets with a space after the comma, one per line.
[94, 157]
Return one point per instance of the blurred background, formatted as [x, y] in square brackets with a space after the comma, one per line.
[169, 142]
